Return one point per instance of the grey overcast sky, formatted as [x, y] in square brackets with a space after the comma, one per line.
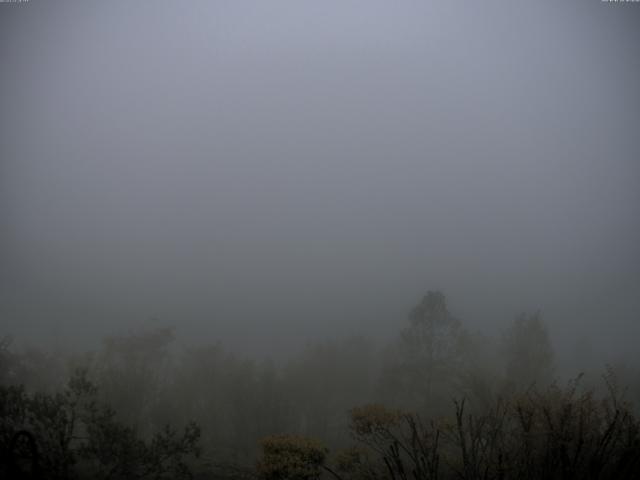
[265, 173]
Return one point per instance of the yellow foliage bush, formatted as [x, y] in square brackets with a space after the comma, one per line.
[291, 457]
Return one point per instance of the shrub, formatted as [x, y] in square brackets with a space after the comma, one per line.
[291, 457]
[558, 433]
[69, 434]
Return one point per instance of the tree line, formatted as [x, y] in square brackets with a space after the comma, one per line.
[438, 401]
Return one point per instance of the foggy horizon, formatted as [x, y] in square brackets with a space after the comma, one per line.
[268, 174]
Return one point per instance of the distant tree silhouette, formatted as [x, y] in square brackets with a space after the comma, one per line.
[528, 351]
[429, 355]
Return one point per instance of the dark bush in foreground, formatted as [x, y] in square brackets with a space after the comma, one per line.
[558, 434]
[291, 457]
[70, 435]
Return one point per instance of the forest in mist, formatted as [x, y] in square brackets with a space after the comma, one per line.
[435, 401]
[319, 239]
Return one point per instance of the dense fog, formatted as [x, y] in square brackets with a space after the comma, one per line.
[276, 188]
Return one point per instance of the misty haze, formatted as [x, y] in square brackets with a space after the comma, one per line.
[302, 240]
